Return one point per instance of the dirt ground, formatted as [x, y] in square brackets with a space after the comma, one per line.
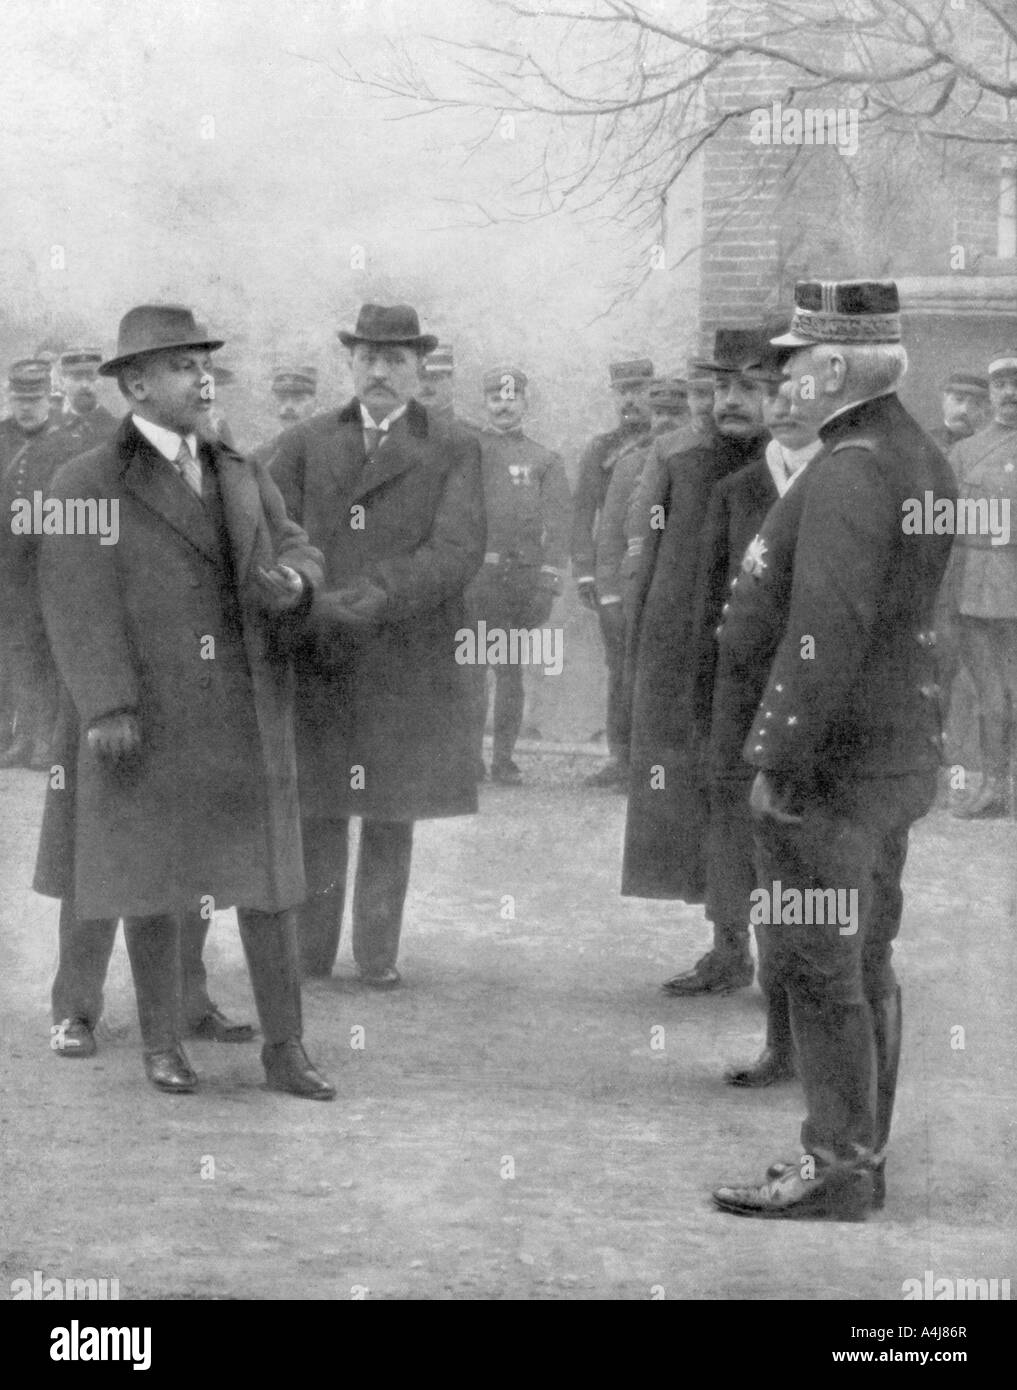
[507, 1129]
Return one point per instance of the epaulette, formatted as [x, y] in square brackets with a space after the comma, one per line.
[869, 445]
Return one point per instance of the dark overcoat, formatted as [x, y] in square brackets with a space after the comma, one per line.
[864, 704]
[383, 716]
[165, 623]
[668, 808]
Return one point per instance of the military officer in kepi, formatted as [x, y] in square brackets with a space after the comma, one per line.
[846, 742]
[528, 506]
[983, 581]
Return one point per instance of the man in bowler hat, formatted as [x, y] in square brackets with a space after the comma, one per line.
[172, 645]
[393, 498]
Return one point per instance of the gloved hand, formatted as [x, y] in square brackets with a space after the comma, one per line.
[354, 607]
[587, 590]
[279, 589]
[116, 738]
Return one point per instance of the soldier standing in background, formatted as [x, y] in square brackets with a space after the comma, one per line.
[630, 384]
[24, 436]
[90, 422]
[984, 587]
[295, 390]
[528, 507]
[436, 391]
[965, 408]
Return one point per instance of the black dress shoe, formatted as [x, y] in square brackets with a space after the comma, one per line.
[216, 1027]
[380, 979]
[19, 754]
[288, 1068]
[506, 772]
[768, 1069]
[777, 1170]
[834, 1194]
[72, 1038]
[708, 976]
[169, 1070]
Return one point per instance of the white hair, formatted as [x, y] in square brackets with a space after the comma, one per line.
[871, 367]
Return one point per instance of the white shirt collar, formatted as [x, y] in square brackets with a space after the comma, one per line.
[390, 419]
[167, 442]
[785, 464]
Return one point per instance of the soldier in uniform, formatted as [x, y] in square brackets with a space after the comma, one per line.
[983, 582]
[24, 437]
[437, 383]
[964, 402]
[668, 810]
[295, 390]
[528, 507]
[846, 742]
[630, 385]
[90, 422]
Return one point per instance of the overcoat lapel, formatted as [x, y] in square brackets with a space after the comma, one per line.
[241, 504]
[156, 485]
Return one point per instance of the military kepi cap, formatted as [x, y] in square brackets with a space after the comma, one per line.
[966, 384]
[29, 378]
[295, 381]
[1004, 361]
[499, 377]
[668, 393]
[440, 361]
[622, 373]
[843, 311]
[81, 357]
[157, 328]
[395, 326]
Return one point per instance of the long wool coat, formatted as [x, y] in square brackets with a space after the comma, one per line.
[666, 822]
[165, 623]
[383, 716]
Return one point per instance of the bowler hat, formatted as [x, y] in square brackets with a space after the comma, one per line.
[734, 350]
[156, 328]
[396, 326]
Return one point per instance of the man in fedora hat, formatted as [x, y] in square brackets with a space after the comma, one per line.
[630, 387]
[181, 789]
[845, 741]
[528, 509]
[668, 811]
[738, 506]
[393, 497]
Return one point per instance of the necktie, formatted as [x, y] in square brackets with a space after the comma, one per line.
[189, 468]
[372, 438]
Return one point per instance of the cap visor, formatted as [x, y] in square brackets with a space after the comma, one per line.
[791, 340]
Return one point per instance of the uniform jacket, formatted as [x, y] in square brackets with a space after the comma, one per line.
[864, 704]
[591, 489]
[526, 499]
[165, 623]
[751, 631]
[984, 581]
[391, 700]
[612, 543]
[665, 825]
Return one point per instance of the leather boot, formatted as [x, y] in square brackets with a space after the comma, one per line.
[776, 1061]
[990, 801]
[153, 947]
[319, 924]
[270, 945]
[887, 1027]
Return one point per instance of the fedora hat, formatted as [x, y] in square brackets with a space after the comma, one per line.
[155, 328]
[396, 326]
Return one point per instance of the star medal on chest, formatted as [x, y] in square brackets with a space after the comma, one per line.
[753, 561]
[520, 474]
